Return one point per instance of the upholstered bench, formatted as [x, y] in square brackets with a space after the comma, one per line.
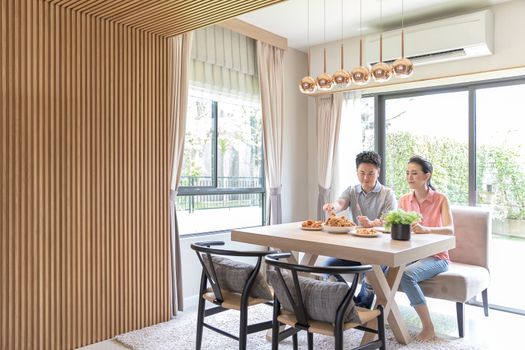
[468, 272]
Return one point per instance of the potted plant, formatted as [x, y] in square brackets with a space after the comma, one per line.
[399, 222]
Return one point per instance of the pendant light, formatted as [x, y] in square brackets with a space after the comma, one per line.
[342, 77]
[324, 80]
[402, 67]
[381, 72]
[308, 84]
[360, 75]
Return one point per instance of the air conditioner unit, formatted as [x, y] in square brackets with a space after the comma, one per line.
[448, 39]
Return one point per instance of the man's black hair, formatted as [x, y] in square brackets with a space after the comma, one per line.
[369, 157]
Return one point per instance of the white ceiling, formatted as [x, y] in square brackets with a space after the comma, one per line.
[289, 19]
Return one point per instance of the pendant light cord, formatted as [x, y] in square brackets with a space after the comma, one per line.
[381, 34]
[402, 28]
[360, 33]
[342, 54]
[324, 34]
[308, 33]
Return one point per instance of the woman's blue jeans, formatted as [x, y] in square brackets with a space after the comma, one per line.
[418, 271]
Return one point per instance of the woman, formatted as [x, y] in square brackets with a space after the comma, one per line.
[437, 218]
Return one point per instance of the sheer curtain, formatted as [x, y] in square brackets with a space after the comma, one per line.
[328, 123]
[178, 94]
[271, 78]
[350, 143]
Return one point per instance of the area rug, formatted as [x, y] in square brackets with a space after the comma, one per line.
[179, 334]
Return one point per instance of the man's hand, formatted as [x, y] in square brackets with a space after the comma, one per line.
[328, 207]
[364, 221]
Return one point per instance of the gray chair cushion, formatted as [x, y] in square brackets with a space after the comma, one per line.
[232, 276]
[321, 298]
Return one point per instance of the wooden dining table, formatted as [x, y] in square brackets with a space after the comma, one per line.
[376, 251]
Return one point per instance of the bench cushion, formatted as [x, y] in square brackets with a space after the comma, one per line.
[460, 283]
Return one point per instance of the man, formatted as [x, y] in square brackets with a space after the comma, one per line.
[368, 202]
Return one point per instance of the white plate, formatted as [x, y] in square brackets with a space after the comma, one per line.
[356, 233]
[382, 229]
[311, 228]
[335, 229]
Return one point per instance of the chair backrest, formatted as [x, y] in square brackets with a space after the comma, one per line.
[311, 299]
[473, 229]
[234, 275]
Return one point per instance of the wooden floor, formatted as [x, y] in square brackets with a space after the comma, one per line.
[501, 330]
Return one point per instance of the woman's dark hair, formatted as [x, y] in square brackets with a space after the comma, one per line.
[369, 157]
[426, 167]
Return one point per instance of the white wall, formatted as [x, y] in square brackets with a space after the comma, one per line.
[296, 174]
[509, 51]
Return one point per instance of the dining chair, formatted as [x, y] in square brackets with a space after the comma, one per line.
[234, 285]
[321, 307]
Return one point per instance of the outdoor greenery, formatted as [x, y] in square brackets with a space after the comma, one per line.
[500, 174]
[239, 140]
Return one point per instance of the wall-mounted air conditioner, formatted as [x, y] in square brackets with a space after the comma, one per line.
[460, 37]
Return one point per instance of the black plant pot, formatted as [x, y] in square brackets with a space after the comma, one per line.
[400, 232]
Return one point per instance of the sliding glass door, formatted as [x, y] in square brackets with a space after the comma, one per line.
[474, 134]
[500, 157]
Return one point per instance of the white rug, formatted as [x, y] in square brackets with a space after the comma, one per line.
[179, 334]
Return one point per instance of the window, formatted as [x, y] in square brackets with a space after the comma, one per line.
[433, 126]
[222, 183]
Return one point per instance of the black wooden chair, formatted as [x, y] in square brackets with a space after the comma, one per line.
[320, 307]
[233, 285]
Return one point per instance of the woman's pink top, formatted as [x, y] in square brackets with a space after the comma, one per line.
[429, 208]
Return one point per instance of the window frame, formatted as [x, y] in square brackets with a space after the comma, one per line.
[213, 189]
[380, 99]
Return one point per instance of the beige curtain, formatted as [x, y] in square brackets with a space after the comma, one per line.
[178, 94]
[271, 78]
[224, 61]
[328, 123]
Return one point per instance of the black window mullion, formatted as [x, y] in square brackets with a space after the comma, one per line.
[215, 137]
[380, 131]
[472, 162]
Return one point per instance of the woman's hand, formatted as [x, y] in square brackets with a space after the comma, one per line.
[418, 228]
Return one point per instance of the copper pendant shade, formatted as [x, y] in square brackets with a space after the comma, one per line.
[381, 72]
[360, 75]
[402, 67]
[324, 80]
[308, 84]
[342, 78]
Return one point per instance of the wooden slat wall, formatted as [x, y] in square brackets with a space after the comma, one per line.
[84, 242]
[166, 17]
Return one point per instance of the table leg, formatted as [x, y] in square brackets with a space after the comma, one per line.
[385, 289]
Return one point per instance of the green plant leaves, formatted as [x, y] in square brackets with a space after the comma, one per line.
[401, 217]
